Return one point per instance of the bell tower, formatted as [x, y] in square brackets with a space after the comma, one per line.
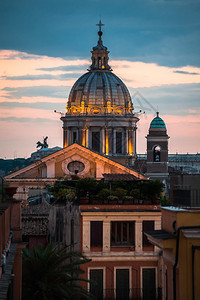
[157, 150]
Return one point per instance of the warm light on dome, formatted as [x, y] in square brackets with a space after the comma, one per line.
[119, 112]
[74, 112]
[95, 111]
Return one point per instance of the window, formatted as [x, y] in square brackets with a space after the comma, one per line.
[156, 153]
[74, 137]
[123, 233]
[96, 234]
[59, 226]
[166, 284]
[122, 284]
[149, 283]
[96, 286]
[96, 141]
[99, 62]
[147, 226]
[118, 142]
[75, 167]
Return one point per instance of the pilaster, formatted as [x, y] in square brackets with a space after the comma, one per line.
[86, 236]
[138, 235]
[106, 236]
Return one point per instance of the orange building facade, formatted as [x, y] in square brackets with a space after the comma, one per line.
[123, 263]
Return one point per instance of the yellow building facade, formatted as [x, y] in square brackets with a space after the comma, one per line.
[179, 240]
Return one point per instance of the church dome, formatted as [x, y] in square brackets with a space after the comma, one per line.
[157, 122]
[99, 90]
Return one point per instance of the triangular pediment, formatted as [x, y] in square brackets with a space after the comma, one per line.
[74, 159]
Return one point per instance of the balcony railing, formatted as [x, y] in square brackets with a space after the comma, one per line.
[96, 200]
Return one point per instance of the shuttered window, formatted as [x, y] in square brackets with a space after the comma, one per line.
[96, 286]
[123, 233]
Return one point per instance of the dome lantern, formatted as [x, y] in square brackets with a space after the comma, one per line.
[100, 54]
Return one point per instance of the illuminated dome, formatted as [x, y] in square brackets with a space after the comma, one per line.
[100, 112]
[99, 91]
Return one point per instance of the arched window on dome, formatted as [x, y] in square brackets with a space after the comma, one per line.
[156, 153]
[99, 62]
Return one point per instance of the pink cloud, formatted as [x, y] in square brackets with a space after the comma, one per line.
[32, 113]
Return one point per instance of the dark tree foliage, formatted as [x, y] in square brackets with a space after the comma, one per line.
[151, 189]
[50, 273]
[89, 186]
[93, 189]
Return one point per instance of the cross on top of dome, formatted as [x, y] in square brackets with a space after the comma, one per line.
[100, 24]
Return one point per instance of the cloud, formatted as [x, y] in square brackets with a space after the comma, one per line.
[170, 99]
[26, 120]
[67, 68]
[185, 72]
[35, 91]
[140, 74]
[38, 105]
[28, 113]
[35, 99]
[61, 77]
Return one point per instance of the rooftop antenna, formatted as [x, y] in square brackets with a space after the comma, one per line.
[59, 112]
[144, 99]
[141, 111]
[157, 112]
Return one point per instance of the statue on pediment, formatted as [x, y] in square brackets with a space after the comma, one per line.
[44, 144]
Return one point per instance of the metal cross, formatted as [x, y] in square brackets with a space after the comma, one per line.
[100, 24]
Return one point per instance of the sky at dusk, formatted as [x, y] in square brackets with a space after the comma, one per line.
[45, 47]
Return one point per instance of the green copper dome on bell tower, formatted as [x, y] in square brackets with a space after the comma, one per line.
[157, 122]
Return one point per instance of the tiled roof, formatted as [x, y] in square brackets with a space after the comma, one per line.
[35, 225]
[116, 177]
[160, 234]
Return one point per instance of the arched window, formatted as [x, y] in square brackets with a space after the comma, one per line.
[118, 142]
[156, 153]
[99, 62]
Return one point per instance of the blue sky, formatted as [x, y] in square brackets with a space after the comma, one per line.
[45, 46]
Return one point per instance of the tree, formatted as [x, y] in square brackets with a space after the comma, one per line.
[52, 273]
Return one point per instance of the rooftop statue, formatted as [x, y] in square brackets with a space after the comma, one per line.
[44, 144]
